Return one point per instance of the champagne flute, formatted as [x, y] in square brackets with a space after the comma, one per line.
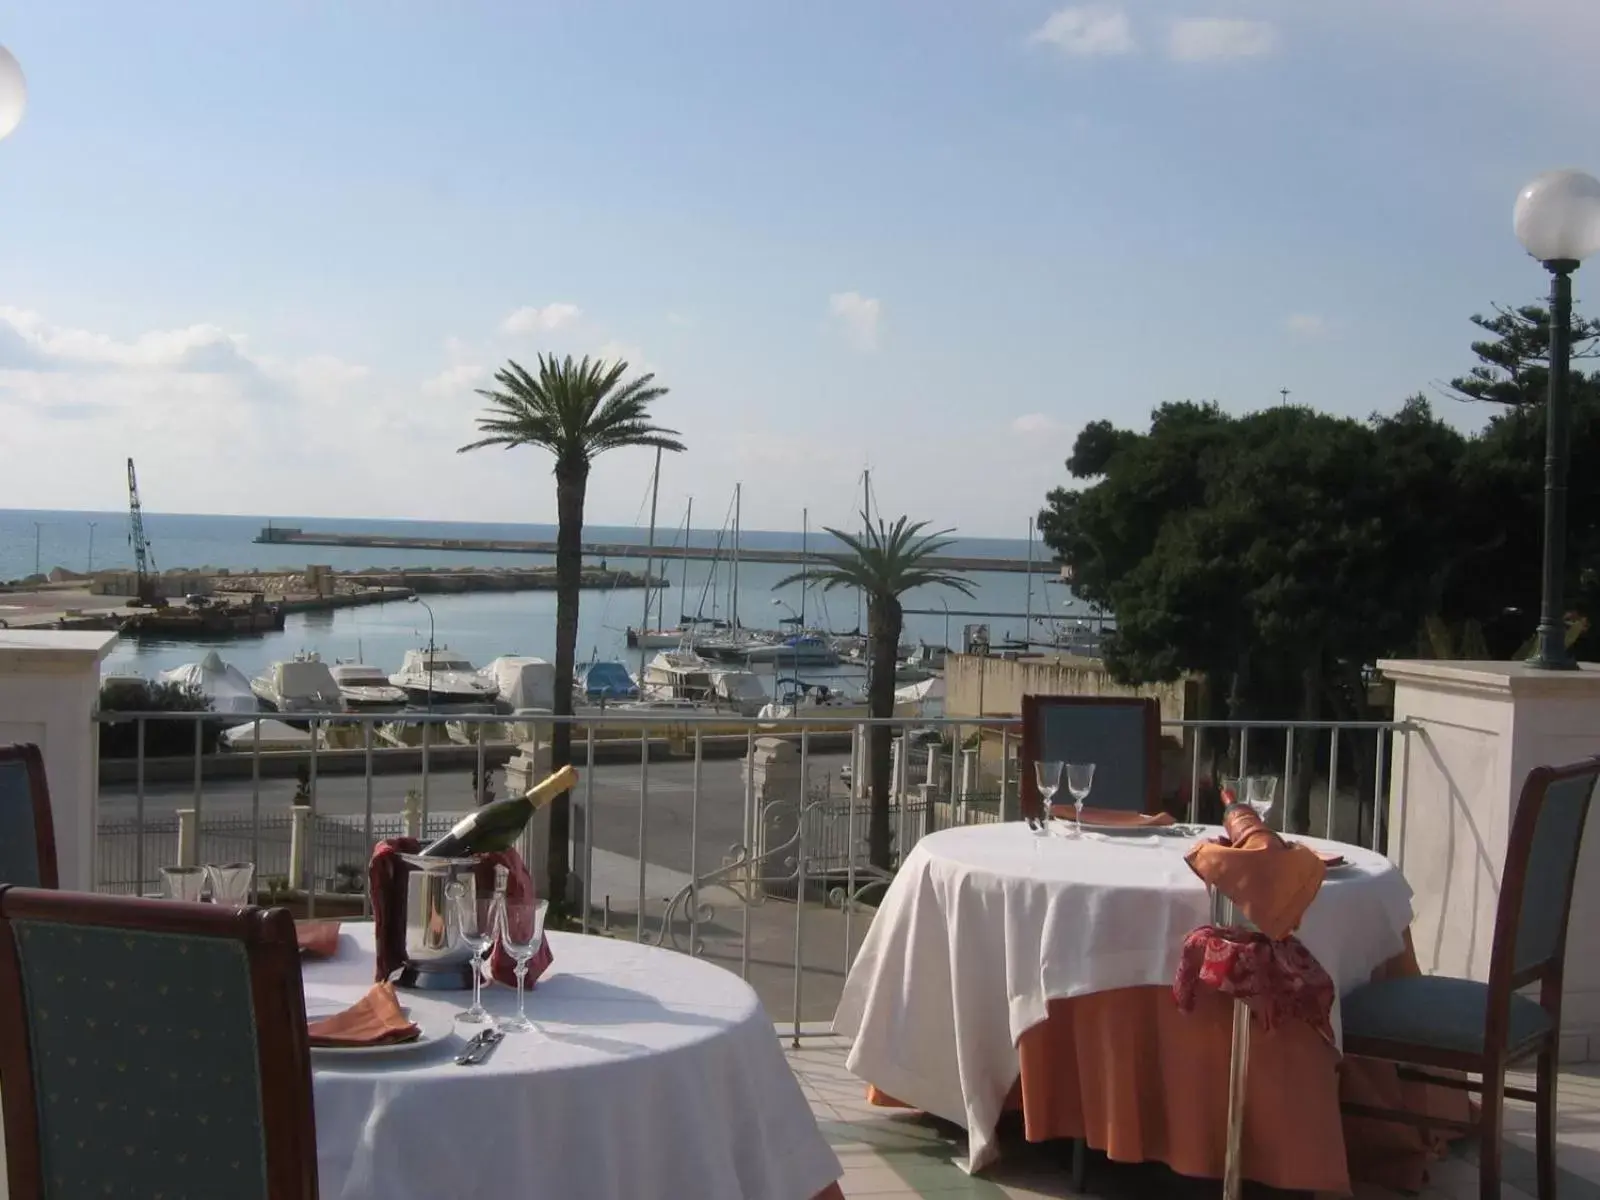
[1048, 776]
[522, 933]
[1260, 792]
[477, 931]
[1080, 778]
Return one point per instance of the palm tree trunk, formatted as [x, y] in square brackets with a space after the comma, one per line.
[884, 622]
[572, 482]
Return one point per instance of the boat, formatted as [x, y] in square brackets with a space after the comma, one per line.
[522, 682]
[800, 699]
[437, 678]
[604, 681]
[366, 689]
[265, 735]
[224, 686]
[684, 675]
[800, 650]
[302, 684]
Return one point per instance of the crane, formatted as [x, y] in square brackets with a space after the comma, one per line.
[144, 561]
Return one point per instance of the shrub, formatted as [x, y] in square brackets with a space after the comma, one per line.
[162, 739]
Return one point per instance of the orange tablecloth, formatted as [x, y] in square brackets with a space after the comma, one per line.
[1131, 1075]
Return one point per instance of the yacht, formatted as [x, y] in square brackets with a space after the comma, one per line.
[606, 681]
[684, 675]
[438, 678]
[800, 650]
[302, 684]
[223, 685]
[818, 700]
[366, 689]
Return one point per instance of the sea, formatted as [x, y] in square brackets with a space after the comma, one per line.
[483, 626]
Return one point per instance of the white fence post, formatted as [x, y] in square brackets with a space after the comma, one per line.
[188, 837]
[299, 831]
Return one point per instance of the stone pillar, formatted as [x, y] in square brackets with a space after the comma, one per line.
[528, 767]
[1480, 728]
[773, 774]
[49, 685]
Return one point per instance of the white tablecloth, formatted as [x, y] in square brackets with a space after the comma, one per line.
[653, 1076]
[984, 925]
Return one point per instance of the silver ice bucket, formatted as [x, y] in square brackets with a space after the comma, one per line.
[441, 914]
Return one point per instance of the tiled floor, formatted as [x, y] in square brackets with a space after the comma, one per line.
[892, 1155]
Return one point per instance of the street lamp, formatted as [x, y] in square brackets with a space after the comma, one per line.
[90, 569]
[790, 607]
[13, 93]
[416, 599]
[1557, 220]
[946, 604]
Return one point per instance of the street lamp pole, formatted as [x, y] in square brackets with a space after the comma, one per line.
[415, 599]
[89, 570]
[1557, 220]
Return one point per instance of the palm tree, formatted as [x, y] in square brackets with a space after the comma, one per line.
[883, 563]
[576, 411]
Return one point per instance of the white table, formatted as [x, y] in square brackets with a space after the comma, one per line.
[653, 1076]
[984, 925]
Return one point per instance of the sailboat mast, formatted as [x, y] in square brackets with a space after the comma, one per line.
[1027, 629]
[650, 542]
[688, 524]
[733, 600]
[805, 528]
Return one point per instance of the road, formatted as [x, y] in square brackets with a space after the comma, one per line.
[669, 817]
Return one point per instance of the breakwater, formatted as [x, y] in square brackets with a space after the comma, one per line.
[275, 535]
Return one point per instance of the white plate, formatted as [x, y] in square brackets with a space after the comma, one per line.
[1124, 830]
[433, 1031]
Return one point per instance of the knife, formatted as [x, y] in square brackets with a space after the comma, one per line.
[489, 1043]
[465, 1058]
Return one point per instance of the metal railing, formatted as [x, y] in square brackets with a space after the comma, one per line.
[681, 833]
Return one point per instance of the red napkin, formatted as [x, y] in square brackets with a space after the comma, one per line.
[1279, 980]
[318, 939]
[1272, 881]
[1113, 817]
[374, 1020]
[386, 881]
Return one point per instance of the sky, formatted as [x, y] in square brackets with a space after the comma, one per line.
[270, 249]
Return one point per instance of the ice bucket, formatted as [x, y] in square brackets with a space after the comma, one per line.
[441, 914]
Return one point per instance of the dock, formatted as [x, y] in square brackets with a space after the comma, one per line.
[274, 535]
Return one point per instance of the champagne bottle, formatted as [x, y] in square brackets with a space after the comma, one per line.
[497, 826]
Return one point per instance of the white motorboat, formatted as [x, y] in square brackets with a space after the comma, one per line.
[799, 650]
[366, 689]
[522, 682]
[438, 678]
[302, 684]
[684, 675]
[265, 735]
[819, 700]
[224, 686]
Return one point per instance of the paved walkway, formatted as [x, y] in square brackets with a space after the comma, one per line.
[892, 1155]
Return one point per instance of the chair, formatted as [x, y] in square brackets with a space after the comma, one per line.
[1121, 736]
[27, 833]
[152, 1048]
[1462, 1025]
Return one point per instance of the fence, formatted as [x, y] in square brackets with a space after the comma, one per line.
[674, 840]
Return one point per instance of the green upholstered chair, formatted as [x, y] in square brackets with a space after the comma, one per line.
[27, 834]
[152, 1048]
[1462, 1025]
[1121, 736]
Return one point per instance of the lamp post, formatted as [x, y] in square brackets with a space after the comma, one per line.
[946, 604]
[415, 599]
[13, 93]
[784, 604]
[1557, 220]
[89, 570]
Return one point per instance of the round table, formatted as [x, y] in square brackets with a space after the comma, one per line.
[985, 925]
[651, 1076]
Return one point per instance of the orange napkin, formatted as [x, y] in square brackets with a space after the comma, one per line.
[1273, 882]
[1111, 816]
[318, 939]
[374, 1020]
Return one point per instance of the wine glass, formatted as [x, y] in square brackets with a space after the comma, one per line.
[472, 916]
[1260, 792]
[183, 883]
[230, 882]
[522, 933]
[1048, 776]
[1080, 778]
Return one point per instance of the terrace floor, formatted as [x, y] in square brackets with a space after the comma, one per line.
[896, 1156]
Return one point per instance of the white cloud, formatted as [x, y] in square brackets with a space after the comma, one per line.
[1087, 32]
[1035, 424]
[459, 380]
[1210, 39]
[541, 320]
[31, 341]
[1307, 325]
[858, 316]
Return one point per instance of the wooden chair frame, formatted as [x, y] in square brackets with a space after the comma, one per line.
[44, 829]
[268, 936]
[1033, 708]
[1504, 979]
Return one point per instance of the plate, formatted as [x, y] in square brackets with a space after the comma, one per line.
[433, 1032]
[1132, 830]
